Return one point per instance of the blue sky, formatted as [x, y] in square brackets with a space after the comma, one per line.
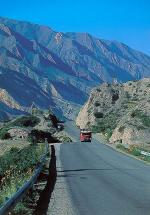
[127, 21]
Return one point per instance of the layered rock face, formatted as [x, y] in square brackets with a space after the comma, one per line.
[120, 111]
[59, 69]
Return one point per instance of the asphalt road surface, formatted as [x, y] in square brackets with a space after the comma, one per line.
[102, 181]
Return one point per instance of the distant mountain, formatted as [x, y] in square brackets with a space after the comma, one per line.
[58, 70]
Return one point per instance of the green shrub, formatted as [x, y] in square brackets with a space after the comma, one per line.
[26, 121]
[90, 110]
[144, 119]
[98, 115]
[23, 159]
[146, 158]
[135, 113]
[98, 90]
[21, 208]
[106, 124]
[100, 127]
[97, 104]
[115, 97]
[39, 136]
[49, 124]
[131, 104]
[140, 127]
[135, 152]
[17, 166]
[108, 133]
[121, 129]
[121, 147]
[65, 138]
[95, 129]
[135, 98]
[4, 134]
[127, 95]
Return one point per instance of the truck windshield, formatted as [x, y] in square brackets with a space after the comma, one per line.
[86, 133]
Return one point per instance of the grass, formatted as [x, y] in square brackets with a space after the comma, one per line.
[16, 167]
[6, 145]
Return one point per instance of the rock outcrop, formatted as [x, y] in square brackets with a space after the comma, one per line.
[120, 111]
[8, 100]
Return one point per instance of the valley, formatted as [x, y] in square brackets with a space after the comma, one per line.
[52, 84]
[45, 68]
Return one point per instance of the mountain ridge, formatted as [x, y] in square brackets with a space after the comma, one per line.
[45, 65]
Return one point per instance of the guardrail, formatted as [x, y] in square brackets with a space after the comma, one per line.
[12, 201]
[145, 153]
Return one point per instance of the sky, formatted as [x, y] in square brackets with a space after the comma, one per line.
[126, 21]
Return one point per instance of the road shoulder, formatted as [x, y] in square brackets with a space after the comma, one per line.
[60, 200]
[101, 139]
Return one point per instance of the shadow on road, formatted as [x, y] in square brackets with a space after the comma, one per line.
[44, 200]
[81, 170]
[78, 172]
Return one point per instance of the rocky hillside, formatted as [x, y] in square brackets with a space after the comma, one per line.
[120, 111]
[58, 69]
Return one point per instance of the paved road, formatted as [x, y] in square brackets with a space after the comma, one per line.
[72, 130]
[102, 181]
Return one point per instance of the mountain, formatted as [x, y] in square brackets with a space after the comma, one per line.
[58, 70]
[120, 111]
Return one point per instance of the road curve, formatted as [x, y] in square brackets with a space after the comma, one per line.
[102, 181]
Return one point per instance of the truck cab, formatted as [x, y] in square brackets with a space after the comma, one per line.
[85, 135]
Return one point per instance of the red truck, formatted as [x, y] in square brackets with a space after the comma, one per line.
[85, 135]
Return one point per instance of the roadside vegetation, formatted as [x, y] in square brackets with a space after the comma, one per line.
[22, 144]
[135, 151]
[16, 167]
[63, 137]
[24, 122]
